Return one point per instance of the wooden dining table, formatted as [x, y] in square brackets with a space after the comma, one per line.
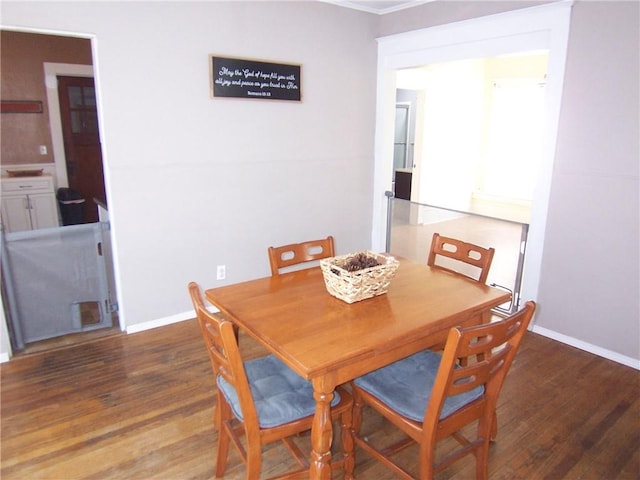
[331, 342]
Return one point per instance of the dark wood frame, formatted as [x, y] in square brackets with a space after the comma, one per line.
[287, 74]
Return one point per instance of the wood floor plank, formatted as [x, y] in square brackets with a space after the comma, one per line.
[141, 406]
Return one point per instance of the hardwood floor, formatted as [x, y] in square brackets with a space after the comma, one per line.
[65, 341]
[140, 406]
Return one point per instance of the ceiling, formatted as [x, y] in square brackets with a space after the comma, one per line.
[379, 7]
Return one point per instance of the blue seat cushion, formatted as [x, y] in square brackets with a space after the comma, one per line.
[280, 395]
[406, 386]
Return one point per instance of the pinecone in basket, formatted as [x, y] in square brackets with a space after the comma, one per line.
[360, 262]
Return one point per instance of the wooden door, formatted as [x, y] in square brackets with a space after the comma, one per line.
[82, 147]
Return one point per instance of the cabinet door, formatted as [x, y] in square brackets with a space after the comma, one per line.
[15, 214]
[44, 211]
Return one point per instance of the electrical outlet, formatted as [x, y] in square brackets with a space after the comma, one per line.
[43, 149]
[221, 272]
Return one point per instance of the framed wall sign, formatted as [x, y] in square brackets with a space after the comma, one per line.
[244, 78]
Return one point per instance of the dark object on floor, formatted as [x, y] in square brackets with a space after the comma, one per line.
[71, 206]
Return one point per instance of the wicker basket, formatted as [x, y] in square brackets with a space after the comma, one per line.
[359, 285]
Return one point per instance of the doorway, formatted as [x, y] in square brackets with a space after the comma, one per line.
[76, 64]
[404, 142]
[83, 152]
[544, 27]
[480, 124]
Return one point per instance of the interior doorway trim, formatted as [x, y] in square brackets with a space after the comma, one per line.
[544, 27]
[51, 72]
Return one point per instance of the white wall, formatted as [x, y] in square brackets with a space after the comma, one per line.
[589, 286]
[194, 182]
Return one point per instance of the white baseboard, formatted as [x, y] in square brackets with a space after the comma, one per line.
[4, 357]
[588, 347]
[161, 322]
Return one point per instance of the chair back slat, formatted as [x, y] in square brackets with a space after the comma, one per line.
[219, 360]
[296, 253]
[460, 251]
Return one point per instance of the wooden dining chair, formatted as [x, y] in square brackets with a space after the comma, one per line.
[297, 253]
[263, 400]
[431, 396]
[461, 251]
[447, 253]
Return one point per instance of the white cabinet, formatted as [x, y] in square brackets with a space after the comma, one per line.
[28, 203]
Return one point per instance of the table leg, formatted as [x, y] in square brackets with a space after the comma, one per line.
[321, 432]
